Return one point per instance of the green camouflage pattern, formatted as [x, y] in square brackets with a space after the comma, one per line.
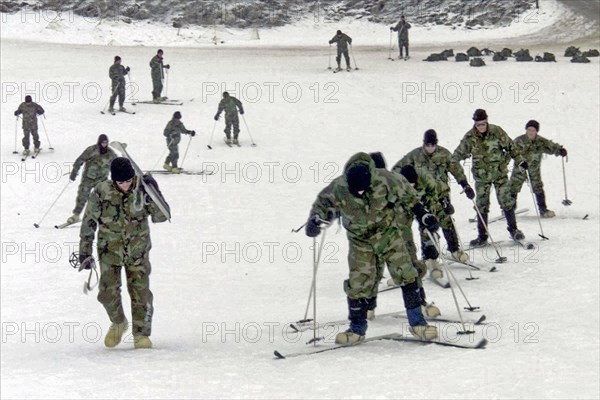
[123, 242]
[372, 226]
[157, 74]
[231, 105]
[532, 151]
[402, 29]
[29, 112]
[97, 167]
[491, 153]
[173, 132]
[342, 41]
[117, 73]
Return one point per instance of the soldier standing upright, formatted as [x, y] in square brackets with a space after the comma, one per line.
[118, 209]
[30, 111]
[491, 150]
[157, 73]
[117, 73]
[230, 105]
[532, 146]
[342, 41]
[402, 28]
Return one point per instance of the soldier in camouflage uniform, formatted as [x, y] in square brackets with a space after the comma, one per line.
[342, 41]
[157, 73]
[432, 164]
[532, 146]
[368, 200]
[117, 73]
[97, 160]
[402, 28]
[30, 111]
[491, 150]
[118, 209]
[172, 133]
[230, 105]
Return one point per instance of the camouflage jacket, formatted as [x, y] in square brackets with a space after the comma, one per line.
[156, 65]
[123, 231]
[491, 153]
[174, 129]
[117, 73]
[342, 41]
[436, 165]
[402, 29]
[230, 105]
[30, 112]
[97, 165]
[370, 217]
[532, 150]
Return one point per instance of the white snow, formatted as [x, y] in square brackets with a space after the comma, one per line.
[228, 274]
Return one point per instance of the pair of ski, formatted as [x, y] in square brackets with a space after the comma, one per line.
[501, 217]
[33, 155]
[66, 224]
[183, 172]
[335, 71]
[523, 243]
[164, 102]
[232, 144]
[115, 112]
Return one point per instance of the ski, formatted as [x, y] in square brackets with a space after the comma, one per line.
[35, 153]
[440, 283]
[63, 226]
[164, 103]
[497, 242]
[524, 244]
[184, 172]
[126, 112]
[156, 197]
[480, 344]
[500, 217]
[25, 154]
[227, 143]
[465, 263]
[478, 321]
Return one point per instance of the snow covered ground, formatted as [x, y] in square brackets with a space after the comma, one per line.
[228, 274]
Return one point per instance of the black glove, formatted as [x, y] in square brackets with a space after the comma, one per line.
[313, 228]
[430, 252]
[448, 207]
[523, 166]
[39, 112]
[469, 192]
[216, 117]
[562, 152]
[192, 133]
[430, 222]
[17, 113]
[73, 176]
[167, 66]
[391, 28]
[127, 69]
[83, 263]
[242, 112]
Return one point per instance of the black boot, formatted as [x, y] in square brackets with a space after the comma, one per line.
[451, 239]
[541, 202]
[511, 225]
[481, 232]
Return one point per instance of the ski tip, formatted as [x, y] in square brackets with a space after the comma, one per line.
[493, 269]
[482, 343]
[480, 320]
[278, 355]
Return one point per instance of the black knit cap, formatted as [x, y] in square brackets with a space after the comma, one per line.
[121, 170]
[430, 137]
[533, 123]
[339, 32]
[177, 115]
[117, 58]
[358, 177]
[378, 159]
[102, 138]
[479, 115]
[28, 99]
[409, 172]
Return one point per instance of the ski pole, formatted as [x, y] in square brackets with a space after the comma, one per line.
[471, 277]
[186, 151]
[248, 129]
[167, 83]
[329, 67]
[565, 202]
[390, 50]
[353, 60]
[500, 259]
[17, 129]
[211, 136]
[46, 133]
[52, 205]
[534, 206]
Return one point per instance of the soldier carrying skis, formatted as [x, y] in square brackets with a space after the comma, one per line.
[157, 74]
[368, 201]
[172, 133]
[119, 209]
[117, 73]
[97, 159]
[230, 105]
[532, 146]
[342, 41]
[30, 111]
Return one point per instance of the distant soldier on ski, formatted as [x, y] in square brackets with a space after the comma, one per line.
[435, 162]
[97, 159]
[532, 146]
[342, 41]
[30, 111]
[117, 73]
[230, 105]
[368, 201]
[491, 150]
[157, 73]
[119, 209]
[402, 28]
[172, 133]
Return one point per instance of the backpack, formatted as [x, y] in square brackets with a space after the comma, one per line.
[580, 59]
[572, 51]
[591, 53]
[506, 52]
[477, 62]
[448, 53]
[461, 57]
[499, 57]
[436, 57]
[473, 52]
[525, 57]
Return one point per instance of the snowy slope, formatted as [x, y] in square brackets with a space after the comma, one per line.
[228, 274]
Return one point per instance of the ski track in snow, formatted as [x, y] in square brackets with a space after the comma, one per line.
[228, 274]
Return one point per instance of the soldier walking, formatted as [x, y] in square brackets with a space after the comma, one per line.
[230, 105]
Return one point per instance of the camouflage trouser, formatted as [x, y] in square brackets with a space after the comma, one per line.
[365, 262]
[138, 286]
[157, 87]
[232, 119]
[117, 90]
[36, 138]
[403, 44]
[338, 58]
[83, 193]
[448, 230]
[517, 179]
[503, 194]
[173, 146]
[411, 248]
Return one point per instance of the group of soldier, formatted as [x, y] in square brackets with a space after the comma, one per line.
[377, 208]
